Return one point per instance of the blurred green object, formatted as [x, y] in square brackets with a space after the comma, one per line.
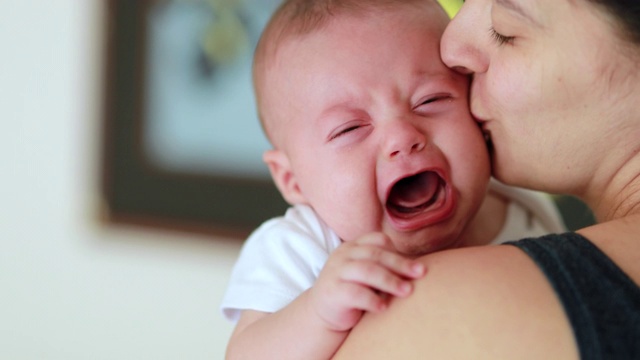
[451, 6]
[575, 213]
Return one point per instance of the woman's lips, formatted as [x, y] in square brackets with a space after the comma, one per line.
[486, 133]
[419, 200]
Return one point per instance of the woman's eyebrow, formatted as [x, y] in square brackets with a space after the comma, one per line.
[516, 8]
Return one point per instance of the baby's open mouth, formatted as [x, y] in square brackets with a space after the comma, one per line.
[415, 194]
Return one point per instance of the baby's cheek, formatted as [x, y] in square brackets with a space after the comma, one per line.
[359, 223]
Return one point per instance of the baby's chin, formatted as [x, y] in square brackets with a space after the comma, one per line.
[425, 242]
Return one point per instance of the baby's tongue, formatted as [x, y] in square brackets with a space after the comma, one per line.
[414, 191]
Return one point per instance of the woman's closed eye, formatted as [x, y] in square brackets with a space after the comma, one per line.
[499, 38]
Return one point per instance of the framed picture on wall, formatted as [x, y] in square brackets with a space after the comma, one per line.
[182, 142]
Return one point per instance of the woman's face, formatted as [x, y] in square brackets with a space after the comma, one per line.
[551, 87]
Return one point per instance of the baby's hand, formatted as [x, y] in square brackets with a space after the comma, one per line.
[359, 276]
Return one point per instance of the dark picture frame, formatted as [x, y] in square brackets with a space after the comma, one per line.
[136, 191]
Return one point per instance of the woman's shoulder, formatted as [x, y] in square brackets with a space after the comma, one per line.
[618, 239]
[481, 302]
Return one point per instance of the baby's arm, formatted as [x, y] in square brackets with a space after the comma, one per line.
[357, 277]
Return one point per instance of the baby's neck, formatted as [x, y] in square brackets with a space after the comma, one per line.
[487, 223]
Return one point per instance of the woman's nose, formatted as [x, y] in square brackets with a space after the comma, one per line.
[461, 47]
[403, 139]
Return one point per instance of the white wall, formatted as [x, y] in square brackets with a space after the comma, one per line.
[71, 287]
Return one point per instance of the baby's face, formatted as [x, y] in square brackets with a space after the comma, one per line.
[377, 130]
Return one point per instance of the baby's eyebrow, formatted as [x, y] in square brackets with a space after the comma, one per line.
[340, 106]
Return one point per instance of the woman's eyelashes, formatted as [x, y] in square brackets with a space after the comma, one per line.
[499, 38]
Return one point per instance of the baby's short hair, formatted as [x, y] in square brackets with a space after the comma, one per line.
[296, 18]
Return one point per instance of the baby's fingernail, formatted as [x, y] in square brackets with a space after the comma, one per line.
[405, 288]
[382, 306]
[417, 269]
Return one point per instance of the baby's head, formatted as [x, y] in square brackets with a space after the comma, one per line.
[368, 126]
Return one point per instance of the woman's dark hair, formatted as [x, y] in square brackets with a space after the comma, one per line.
[627, 14]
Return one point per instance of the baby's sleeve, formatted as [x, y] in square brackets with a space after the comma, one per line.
[278, 262]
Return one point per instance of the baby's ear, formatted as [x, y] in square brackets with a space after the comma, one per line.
[283, 176]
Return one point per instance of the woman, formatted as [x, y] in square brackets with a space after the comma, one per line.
[556, 89]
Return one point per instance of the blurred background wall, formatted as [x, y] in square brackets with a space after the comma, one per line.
[70, 286]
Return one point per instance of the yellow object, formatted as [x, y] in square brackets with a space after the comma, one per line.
[226, 37]
[451, 6]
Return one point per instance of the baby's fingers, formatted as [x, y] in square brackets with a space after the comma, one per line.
[392, 261]
[364, 298]
[375, 276]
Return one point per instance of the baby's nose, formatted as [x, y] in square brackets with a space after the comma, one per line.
[403, 139]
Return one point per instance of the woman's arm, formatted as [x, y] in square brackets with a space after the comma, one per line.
[482, 302]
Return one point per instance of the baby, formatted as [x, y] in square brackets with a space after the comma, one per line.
[371, 132]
